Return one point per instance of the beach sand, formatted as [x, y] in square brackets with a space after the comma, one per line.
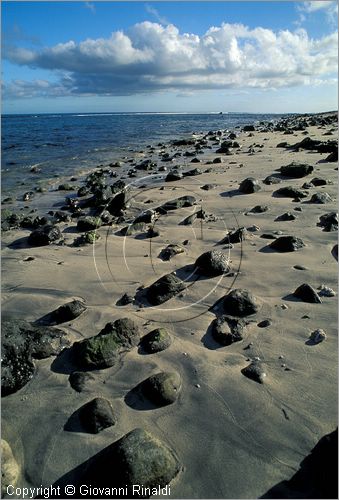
[234, 437]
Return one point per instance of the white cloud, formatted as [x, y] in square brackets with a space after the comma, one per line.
[315, 5]
[150, 57]
[90, 6]
[151, 10]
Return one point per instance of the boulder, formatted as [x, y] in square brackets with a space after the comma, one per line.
[320, 198]
[249, 185]
[125, 300]
[255, 371]
[307, 294]
[212, 263]
[249, 128]
[227, 330]
[79, 380]
[296, 170]
[104, 349]
[118, 203]
[286, 217]
[270, 179]
[183, 201]
[173, 175]
[291, 192]
[135, 227]
[164, 289]
[88, 223]
[240, 302]
[163, 388]
[329, 221]
[287, 244]
[44, 235]
[10, 469]
[96, 415]
[259, 209]
[170, 251]
[318, 336]
[66, 312]
[236, 236]
[147, 217]
[88, 238]
[319, 181]
[155, 341]
[21, 343]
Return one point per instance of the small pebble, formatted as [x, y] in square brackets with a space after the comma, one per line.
[284, 306]
[326, 291]
[318, 336]
[197, 386]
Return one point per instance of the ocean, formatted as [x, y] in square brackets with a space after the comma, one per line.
[65, 144]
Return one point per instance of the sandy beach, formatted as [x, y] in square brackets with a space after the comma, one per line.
[233, 433]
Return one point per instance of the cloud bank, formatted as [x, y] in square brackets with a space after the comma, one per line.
[150, 57]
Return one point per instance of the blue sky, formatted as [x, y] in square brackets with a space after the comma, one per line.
[169, 56]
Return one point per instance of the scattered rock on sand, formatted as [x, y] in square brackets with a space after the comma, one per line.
[79, 380]
[173, 175]
[326, 291]
[286, 217]
[88, 238]
[287, 244]
[164, 289]
[291, 192]
[227, 330]
[236, 236]
[249, 185]
[44, 235]
[21, 342]
[270, 179]
[138, 458]
[67, 312]
[157, 340]
[306, 293]
[320, 198]
[212, 263]
[10, 469]
[240, 302]
[88, 223]
[183, 201]
[255, 372]
[264, 323]
[125, 300]
[163, 388]
[296, 170]
[259, 209]
[329, 221]
[96, 415]
[103, 350]
[318, 336]
[134, 228]
[319, 181]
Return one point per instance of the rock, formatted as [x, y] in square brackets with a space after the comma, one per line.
[135, 227]
[188, 220]
[218, 159]
[78, 380]
[104, 349]
[332, 157]
[164, 289]
[321, 198]
[287, 244]
[88, 238]
[88, 223]
[118, 204]
[249, 185]
[170, 251]
[318, 336]
[329, 221]
[66, 187]
[326, 291]
[240, 302]
[254, 371]
[125, 300]
[236, 236]
[318, 181]
[306, 293]
[249, 128]
[157, 340]
[296, 170]
[83, 191]
[212, 263]
[286, 216]
[21, 343]
[264, 323]
[259, 209]
[10, 469]
[173, 175]
[207, 187]
[44, 235]
[183, 201]
[138, 458]
[300, 268]
[96, 415]
[66, 312]
[227, 330]
[271, 180]
[282, 145]
[291, 192]
[163, 388]
[147, 217]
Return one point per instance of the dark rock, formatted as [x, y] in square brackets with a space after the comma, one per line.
[174, 175]
[227, 330]
[296, 170]
[329, 221]
[147, 217]
[21, 343]
[137, 458]
[291, 192]
[207, 187]
[268, 236]
[332, 157]
[118, 186]
[78, 380]
[240, 303]
[212, 263]
[66, 187]
[287, 244]
[60, 216]
[193, 172]
[259, 209]
[271, 180]
[249, 185]
[135, 227]
[188, 220]
[300, 268]
[157, 340]
[320, 198]
[104, 349]
[282, 145]
[195, 160]
[286, 216]
[67, 312]
[264, 323]
[170, 251]
[164, 289]
[236, 236]
[83, 191]
[44, 235]
[163, 388]
[318, 181]
[153, 233]
[183, 201]
[254, 371]
[218, 159]
[306, 293]
[118, 203]
[96, 415]
[86, 239]
[125, 300]
[88, 223]
[146, 165]
[249, 128]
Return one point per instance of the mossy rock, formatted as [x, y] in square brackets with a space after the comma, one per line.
[157, 340]
[87, 239]
[88, 223]
[103, 350]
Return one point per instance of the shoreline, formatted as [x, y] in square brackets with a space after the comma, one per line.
[233, 436]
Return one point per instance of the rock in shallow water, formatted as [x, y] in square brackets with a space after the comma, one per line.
[104, 349]
[164, 289]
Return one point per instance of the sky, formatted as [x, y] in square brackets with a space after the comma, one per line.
[135, 56]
